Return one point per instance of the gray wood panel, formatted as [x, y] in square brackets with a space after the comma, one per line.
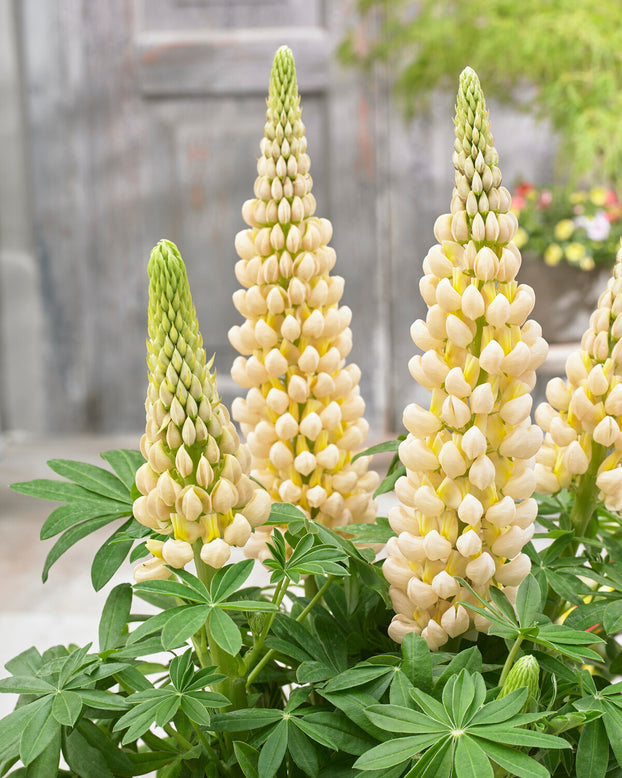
[145, 120]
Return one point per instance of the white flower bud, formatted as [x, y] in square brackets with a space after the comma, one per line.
[277, 400]
[216, 553]
[456, 384]
[470, 510]
[469, 543]
[411, 546]
[561, 432]
[401, 626]
[510, 543]
[311, 426]
[597, 382]
[305, 463]
[224, 496]
[486, 262]
[445, 585]
[606, 431]
[474, 442]
[575, 460]
[238, 532]
[517, 410]
[513, 572]
[522, 442]
[275, 363]
[309, 360]
[328, 457]
[428, 502]
[434, 635]
[482, 472]
[316, 496]
[451, 460]
[436, 546]
[177, 553]
[482, 399]
[455, 412]
[421, 594]
[491, 358]
[498, 312]
[575, 369]
[455, 620]
[397, 572]
[446, 296]
[415, 454]
[517, 361]
[419, 421]
[286, 426]
[458, 331]
[613, 403]
[152, 570]
[473, 304]
[481, 569]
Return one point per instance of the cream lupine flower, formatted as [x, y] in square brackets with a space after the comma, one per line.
[583, 416]
[466, 507]
[303, 413]
[195, 486]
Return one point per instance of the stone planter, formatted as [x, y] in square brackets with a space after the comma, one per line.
[565, 297]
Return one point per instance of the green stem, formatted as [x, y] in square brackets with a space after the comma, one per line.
[205, 742]
[303, 614]
[277, 599]
[177, 736]
[586, 497]
[310, 586]
[510, 660]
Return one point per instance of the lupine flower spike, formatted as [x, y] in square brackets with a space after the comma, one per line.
[466, 506]
[303, 413]
[195, 486]
[583, 416]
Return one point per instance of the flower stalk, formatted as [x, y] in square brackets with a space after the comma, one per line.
[303, 412]
[466, 500]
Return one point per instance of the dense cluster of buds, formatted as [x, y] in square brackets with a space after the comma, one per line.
[466, 500]
[195, 486]
[303, 412]
[583, 416]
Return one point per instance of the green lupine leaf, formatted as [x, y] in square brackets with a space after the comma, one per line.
[102, 700]
[303, 751]
[399, 692]
[348, 737]
[613, 618]
[99, 738]
[514, 761]
[46, 764]
[379, 448]
[437, 762]
[152, 624]
[229, 579]
[209, 699]
[66, 516]
[398, 719]
[225, 631]
[273, 750]
[196, 585]
[184, 624]
[91, 477]
[72, 536]
[66, 707]
[470, 659]
[388, 483]
[517, 737]
[84, 759]
[170, 588]
[115, 615]
[248, 605]
[394, 752]
[317, 732]
[203, 678]
[470, 760]
[354, 705]
[458, 695]
[528, 599]
[283, 513]
[27, 662]
[26, 684]
[12, 725]
[110, 557]
[195, 711]
[125, 462]
[138, 720]
[557, 633]
[613, 724]
[167, 709]
[417, 664]
[357, 676]
[245, 720]
[431, 707]
[247, 757]
[378, 532]
[40, 730]
[503, 709]
[593, 751]
[63, 491]
[181, 670]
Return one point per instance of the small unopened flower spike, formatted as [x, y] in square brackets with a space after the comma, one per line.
[583, 416]
[303, 413]
[194, 486]
[466, 499]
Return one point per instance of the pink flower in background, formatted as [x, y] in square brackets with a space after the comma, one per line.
[518, 203]
[597, 228]
[546, 197]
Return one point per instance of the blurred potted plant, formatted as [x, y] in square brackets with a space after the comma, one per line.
[568, 237]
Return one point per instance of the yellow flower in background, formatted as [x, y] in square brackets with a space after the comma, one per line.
[564, 229]
[578, 197]
[520, 238]
[303, 411]
[574, 252]
[587, 263]
[598, 195]
[466, 500]
[553, 254]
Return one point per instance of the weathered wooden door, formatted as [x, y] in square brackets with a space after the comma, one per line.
[144, 120]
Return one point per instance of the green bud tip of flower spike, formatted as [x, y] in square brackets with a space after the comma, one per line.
[283, 98]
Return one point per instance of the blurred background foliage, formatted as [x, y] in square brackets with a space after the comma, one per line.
[561, 60]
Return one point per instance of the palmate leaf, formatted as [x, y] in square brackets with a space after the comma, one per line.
[91, 477]
[110, 556]
[378, 532]
[470, 760]
[395, 752]
[125, 462]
